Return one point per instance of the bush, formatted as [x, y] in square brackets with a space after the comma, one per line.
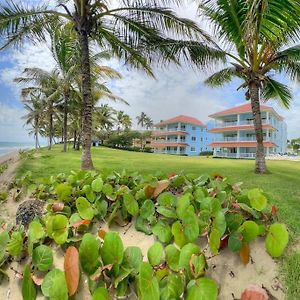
[206, 153]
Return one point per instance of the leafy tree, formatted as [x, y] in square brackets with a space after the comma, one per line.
[142, 118]
[255, 37]
[149, 123]
[137, 31]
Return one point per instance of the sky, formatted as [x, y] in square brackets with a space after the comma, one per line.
[175, 91]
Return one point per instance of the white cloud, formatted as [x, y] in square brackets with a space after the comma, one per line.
[11, 124]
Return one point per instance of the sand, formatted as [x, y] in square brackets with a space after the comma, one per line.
[226, 268]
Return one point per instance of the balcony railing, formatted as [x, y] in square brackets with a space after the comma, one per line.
[174, 129]
[168, 141]
[170, 152]
[240, 139]
[234, 155]
[240, 123]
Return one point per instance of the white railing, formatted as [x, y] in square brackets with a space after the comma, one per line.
[236, 123]
[168, 141]
[174, 129]
[240, 139]
[234, 155]
[169, 152]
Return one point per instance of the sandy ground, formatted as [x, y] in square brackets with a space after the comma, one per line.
[226, 268]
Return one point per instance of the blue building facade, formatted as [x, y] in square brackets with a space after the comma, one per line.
[182, 135]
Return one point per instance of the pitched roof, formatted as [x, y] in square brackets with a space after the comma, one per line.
[182, 119]
[243, 109]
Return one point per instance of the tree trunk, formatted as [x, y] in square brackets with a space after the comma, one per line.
[86, 160]
[66, 96]
[260, 162]
[50, 130]
[75, 138]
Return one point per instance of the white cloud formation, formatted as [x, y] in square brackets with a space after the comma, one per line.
[175, 90]
[11, 124]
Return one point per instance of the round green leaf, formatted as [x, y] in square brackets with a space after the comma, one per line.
[163, 231]
[214, 241]
[166, 199]
[112, 249]
[277, 239]
[131, 204]
[147, 284]
[257, 199]
[172, 287]
[97, 185]
[63, 191]
[178, 233]
[190, 226]
[233, 221]
[186, 253]
[42, 258]
[235, 242]
[57, 228]
[249, 230]
[84, 208]
[132, 258]
[167, 212]
[204, 289]
[155, 254]
[101, 293]
[172, 257]
[15, 245]
[182, 205]
[89, 253]
[147, 209]
[54, 285]
[198, 265]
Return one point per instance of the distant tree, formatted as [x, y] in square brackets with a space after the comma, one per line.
[149, 123]
[142, 118]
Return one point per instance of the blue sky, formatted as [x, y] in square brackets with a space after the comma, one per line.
[175, 91]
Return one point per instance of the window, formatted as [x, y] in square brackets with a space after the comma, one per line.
[206, 138]
[201, 149]
[193, 138]
[193, 149]
[201, 139]
[201, 129]
[194, 128]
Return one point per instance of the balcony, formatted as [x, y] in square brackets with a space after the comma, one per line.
[236, 123]
[234, 155]
[240, 139]
[172, 152]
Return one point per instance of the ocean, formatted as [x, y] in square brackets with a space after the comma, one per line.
[8, 147]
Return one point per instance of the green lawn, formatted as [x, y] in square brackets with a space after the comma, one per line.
[282, 184]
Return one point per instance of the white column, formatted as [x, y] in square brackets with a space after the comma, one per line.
[179, 126]
[268, 117]
[178, 138]
[268, 138]
[178, 150]
[238, 152]
[268, 151]
[238, 135]
[238, 119]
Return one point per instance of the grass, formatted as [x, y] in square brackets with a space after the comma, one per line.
[282, 184]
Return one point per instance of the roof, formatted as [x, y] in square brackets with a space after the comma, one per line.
[241, 144]
[181, 119]
[243, 109]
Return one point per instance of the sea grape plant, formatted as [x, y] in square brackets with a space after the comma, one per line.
[179, 210]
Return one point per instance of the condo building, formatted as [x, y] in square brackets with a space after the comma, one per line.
[234, 134]
[181, 135]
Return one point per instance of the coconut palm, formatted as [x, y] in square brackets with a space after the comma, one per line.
[137, 31]
[142, 118]
[123, 121]
[34, 117]
[255, 37]
[148, 123]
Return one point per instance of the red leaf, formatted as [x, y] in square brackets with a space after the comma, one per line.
[254, 292]
[274, 210]
[172, 175]
[72, 272]
[81, 222]
[160, 187]
[102, 234]
[224, 242]
[245, 253]
[149, 190]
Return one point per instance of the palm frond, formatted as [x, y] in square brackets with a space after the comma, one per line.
[273, 89]
[222, 77]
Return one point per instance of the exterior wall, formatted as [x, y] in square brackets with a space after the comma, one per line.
[197, 139]
[276, 135]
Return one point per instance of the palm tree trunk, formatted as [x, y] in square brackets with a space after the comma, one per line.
[75, 138]
[260, 162]
[86, 160]
[66, 121]
[50, 130]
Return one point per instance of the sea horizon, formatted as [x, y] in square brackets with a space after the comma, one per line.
[9, 147]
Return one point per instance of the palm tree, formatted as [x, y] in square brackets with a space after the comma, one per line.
[255, 37]
[148, 123]
[137, 31]
[123, 121]
[142, 118]
[48, 84]
[35, 110]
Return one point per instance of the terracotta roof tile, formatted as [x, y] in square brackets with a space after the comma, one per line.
[242, 109]
[182, 119]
